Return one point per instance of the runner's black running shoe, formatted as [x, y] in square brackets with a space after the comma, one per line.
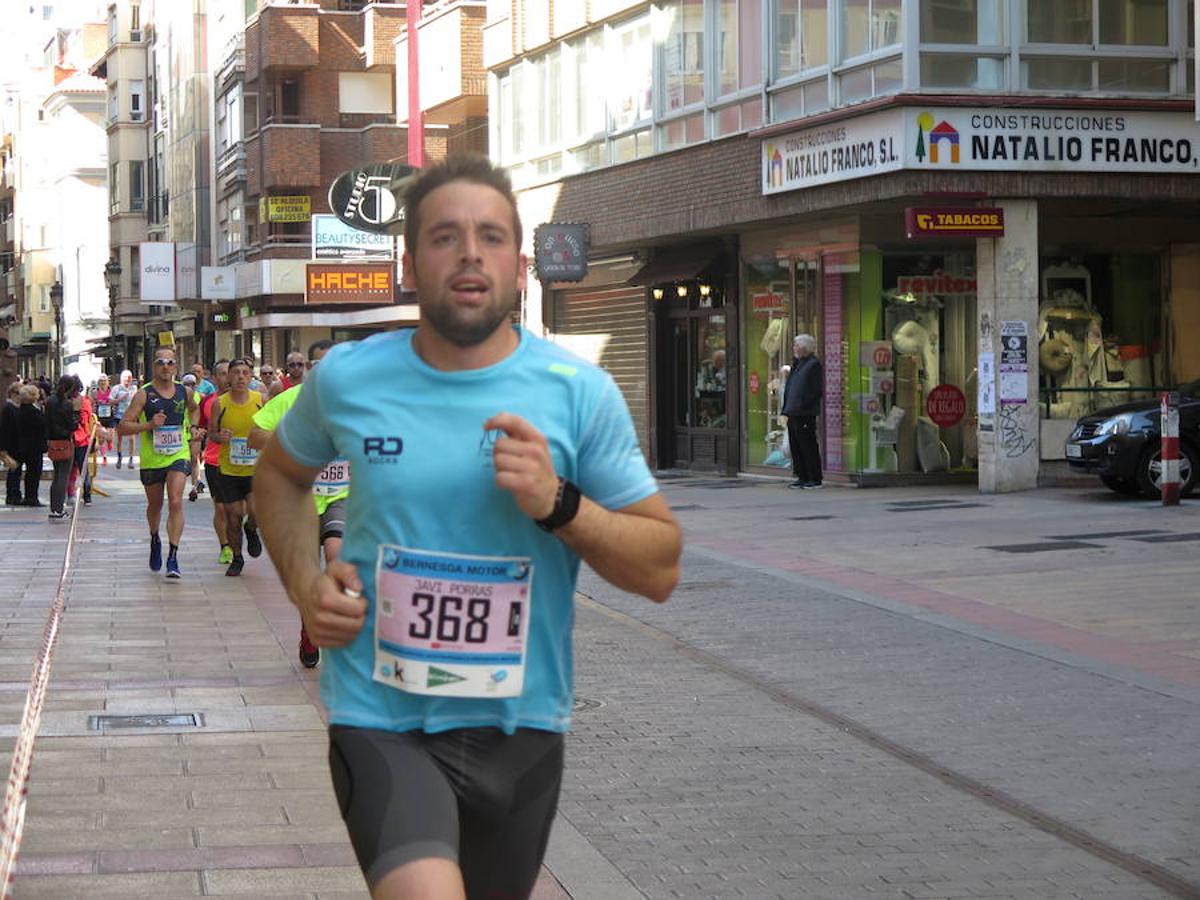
[155, 553]
[253, 541]
[235, 567]
[309, 654]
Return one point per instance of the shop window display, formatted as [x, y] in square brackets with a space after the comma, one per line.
[1099, 333]
[917, 355]
[780, 299]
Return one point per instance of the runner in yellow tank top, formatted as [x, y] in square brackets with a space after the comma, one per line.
[232, 421]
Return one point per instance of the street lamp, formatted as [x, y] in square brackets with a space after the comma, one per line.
[56, 295]
[112, 274]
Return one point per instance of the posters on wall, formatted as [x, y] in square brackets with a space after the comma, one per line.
[1014, 362]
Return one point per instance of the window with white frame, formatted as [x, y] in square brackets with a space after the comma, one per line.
[739, 46]
[137, 184]
[801, 29]
[229, 225]
[137, 100]
[630, 54]
[1107, 46]
[964, 44]
[682, 55]
[869, 26]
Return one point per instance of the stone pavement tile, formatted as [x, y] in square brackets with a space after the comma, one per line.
[260, 857]
[247, 799]
[142, 884]
[258, 882]
[267, 814]
[258, 835]
[55, 840]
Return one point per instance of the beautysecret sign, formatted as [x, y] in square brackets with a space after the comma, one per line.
[982, 139]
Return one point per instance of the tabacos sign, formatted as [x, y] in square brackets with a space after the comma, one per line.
[997, 139]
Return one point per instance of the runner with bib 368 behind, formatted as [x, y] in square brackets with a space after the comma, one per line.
[161, 412]
[485, 463]
[232, 420]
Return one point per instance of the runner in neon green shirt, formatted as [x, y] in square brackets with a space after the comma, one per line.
[330, 490]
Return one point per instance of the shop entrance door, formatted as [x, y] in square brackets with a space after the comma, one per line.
[694, 426]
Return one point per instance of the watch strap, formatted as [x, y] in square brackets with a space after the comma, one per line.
[566, 506]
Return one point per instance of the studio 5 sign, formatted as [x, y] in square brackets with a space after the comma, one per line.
[372, 198]
[982, 139]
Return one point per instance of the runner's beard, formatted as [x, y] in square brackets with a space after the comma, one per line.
[468, 326]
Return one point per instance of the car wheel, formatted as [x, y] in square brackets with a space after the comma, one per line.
[1149, 474]
[1120, 485]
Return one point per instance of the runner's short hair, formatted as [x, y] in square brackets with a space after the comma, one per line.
[470, 167]
[322, 344]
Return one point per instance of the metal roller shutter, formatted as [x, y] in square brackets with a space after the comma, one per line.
[618, 311]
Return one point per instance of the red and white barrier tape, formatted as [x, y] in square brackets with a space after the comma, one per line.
[1169, 456]
[12, 819]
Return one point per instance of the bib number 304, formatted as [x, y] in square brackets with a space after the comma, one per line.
[451, 625]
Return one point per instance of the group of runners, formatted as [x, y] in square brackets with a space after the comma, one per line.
[221, 424]
[487, 463]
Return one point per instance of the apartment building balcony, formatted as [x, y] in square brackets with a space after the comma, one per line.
[231, 166]
[233, 65]
[283, 154]
[382, 25]
[453, 79]
[282, 37]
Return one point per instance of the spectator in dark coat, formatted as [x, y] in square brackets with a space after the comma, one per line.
[31, 441]
[62, 419]
[802, 395]
[8, 444]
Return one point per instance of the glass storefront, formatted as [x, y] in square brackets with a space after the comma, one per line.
[779, 302]
[897, 337]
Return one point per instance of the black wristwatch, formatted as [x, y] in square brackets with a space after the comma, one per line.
[566, 505]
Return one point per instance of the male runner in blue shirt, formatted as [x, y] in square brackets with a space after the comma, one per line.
[485, 464]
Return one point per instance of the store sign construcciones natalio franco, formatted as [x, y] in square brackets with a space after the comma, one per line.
[982, 139]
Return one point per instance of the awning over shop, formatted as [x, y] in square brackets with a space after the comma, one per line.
[678, 264]
[405, 314]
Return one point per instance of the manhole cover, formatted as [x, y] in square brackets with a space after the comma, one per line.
[1044, 548]
[1170, 538]
[909, 508]
[165, 720]
[583, 704]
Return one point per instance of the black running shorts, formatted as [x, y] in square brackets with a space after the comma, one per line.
[474, 795]
[151, 477]
[231, 488]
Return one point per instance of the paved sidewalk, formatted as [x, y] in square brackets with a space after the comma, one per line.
[852, 694]
[241, 805]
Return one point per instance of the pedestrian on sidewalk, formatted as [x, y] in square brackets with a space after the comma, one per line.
[802, 395]
[83, 440]
[9, 447]
[449, 681]
[31, 441]
[121, 395]
[62, 418]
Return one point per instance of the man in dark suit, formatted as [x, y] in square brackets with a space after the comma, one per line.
[802, 395]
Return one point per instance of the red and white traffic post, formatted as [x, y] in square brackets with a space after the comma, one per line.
[1170, 448]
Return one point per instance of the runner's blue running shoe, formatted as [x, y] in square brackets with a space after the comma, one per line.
[173, 568]
[155, 553]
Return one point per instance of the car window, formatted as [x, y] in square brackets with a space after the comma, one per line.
[1191, 389]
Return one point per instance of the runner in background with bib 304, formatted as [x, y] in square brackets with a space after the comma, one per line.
[161, 412]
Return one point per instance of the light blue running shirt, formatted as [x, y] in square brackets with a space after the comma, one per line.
[422, 478]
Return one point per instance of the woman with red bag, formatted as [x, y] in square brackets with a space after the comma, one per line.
[62, 418]
[83, 439]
